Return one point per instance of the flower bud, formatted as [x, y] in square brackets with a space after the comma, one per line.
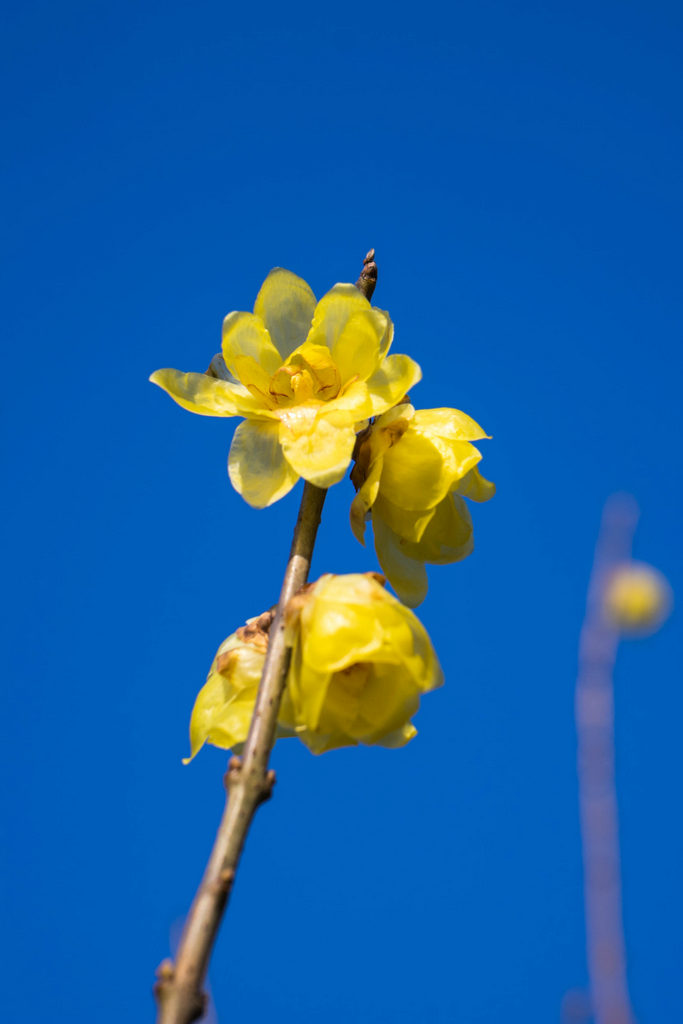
[360, 662]
[412, 470]
[638, 598]
[224, 705]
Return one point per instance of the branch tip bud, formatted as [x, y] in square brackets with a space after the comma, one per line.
[368, 275]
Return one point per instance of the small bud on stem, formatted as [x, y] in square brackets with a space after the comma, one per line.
[368, 276]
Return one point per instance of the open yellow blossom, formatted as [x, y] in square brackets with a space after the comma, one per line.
[360, 662]
[304, 376]
[637, 598]
[412, 470]
[224, 705]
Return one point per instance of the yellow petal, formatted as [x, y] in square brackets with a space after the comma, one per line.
[354, 402]
[364, 500]
[318, 743]
[416, 472]
[256, 380]
[317, 445]
[334, 311]
[392, 381]
[407, 523]
[245, 335]
[399, 738]
[225, 704]
[223, 708]
[388, 336]
[257, 466]
[286, 305]
[307, 687]
[359, 704]
[225, 725]
[353, 618]
[448, 536]
[341, 633]
[388, 700]
[476, 487]
[460, 456]
[368, 459]
[393, 424]
[207, 396]
[451, 424]
[210, 697]
[407, 576]
[357, 349]
[422, 468]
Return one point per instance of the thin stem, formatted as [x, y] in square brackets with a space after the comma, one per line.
[248, 783]
[597, 789]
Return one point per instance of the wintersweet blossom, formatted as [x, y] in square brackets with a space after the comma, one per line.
[360, 663]
[305, 376]
[412, 470]
[224, 705]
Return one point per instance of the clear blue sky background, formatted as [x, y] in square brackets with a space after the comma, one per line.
[517, 167]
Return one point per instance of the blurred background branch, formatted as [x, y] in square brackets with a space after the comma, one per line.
[594, 707]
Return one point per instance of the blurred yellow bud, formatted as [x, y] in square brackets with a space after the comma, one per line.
[360, 662]
[637, 598]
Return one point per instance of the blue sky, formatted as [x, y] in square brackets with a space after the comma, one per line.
[517, 168]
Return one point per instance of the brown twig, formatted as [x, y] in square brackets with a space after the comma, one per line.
[179, 988]
[605, 944]
[368, 275]
[248, 783]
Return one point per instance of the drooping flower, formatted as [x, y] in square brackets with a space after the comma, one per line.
[412, 470]
[304, 376]
[638, 598]
[360, 662]
[222, 711]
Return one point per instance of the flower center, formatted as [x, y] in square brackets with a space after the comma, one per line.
[305, 380]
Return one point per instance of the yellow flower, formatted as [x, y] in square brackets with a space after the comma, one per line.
[637, 598]
[305, 377]
[360, 662]
[224, 705]
[412, 470]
